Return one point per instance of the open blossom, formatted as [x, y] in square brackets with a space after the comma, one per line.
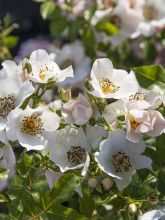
[152, 98]
[140, 120]
[12, 94]
[126, 15]
[44, 69]
[153, 18]
[119, 157]
[73, 54]
[111, 83]
[78, 111]
[31, 127]
[68, 149]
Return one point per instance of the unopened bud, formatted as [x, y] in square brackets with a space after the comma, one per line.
[92, 182]
[132, 208]
[107, 183]
[153, 200]
[65, 94]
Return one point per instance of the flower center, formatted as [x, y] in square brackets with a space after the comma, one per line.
[32, 125]
[6, 105]
[76, 155]
[150, 13]
[108, 87]
[43, 72]
[139, 96]
[134, 124]
[2, 145]
[121, 162]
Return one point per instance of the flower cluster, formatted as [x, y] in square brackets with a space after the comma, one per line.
[132, 17]
[127, 18]
[105, 128]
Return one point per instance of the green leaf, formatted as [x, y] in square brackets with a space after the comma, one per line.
[3, 174]
[89, 41]
[28, 160]
[46, 9]
[148, 75]
[10, 41]
[107, 27]
[57, 26]
[4, 217]
[161, 182]
[59, 212]
[159, 157]
[65, 186]
[87, 206]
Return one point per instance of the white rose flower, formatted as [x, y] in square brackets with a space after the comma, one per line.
[153, 18]
[153, 98]
[119, 157]
[31, 127]
[68, 149]
[78, 111]
[112, 83]
[140, 120]
[126, 15]
[43, 68]
[12, 94]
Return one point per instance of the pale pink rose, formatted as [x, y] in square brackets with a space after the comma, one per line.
[140, 119]
[77, 111]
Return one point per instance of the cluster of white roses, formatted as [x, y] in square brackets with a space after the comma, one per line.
[132, 17]
[118, 152]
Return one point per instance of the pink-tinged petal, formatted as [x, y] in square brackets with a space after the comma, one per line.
[158, 123]
[81, 114]
[144, 127]
[77, 112]
[139, 115]
[132, 136]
